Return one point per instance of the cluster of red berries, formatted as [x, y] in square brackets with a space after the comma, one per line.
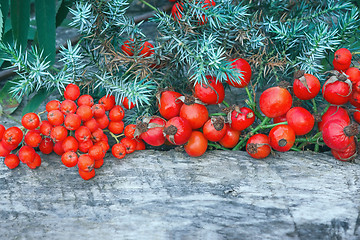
[74, 129]
[185, 120]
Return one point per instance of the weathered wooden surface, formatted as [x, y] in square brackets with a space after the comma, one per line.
[168, 195]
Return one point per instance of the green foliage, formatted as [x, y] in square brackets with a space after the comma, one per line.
[20, 19]
[46, 29]
[1, 24]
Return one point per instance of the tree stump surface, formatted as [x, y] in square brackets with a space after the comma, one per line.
[169, 195]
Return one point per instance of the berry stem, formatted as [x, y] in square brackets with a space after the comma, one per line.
[217, 146]
[225, 103]
[218, 114]
[314, 105]
[251, 103]
[262, 125]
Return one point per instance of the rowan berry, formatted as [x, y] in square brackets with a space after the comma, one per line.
[30, 121]
[130, 144]
[46, 146]
[72, 121]
[83, 134]
[69, 159]
[55, 117]
[86, 163]
[85, 146]
[58, 133]
[70, 144]
[130, 130]
[68, 106]
[45, 128]
[86, 175]
[92, 124]
[98, 110]
[127, 104]
[104, 144]
[35, 163]
[52, 105]
[4, 151]
[108, 102]
[140, 145]
[116, 113]
[99, 163]
[85, 112]
[33, 138]
[26, 154]
[116, 127]
[85, 100]
[118, 150]
[2, 130]
[97, 135]
[96, 152]
[13, 136]
[103, 121]
[58, 149]
[72, 92]
[12, 161]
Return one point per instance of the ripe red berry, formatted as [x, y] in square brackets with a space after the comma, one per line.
[68, 106]
[104, 144]
[213, 93]
[58, 133]
[103, 121]
[140, 145]
[275, 101]
[13, 136]
[127, 104]
[85, 146]
[118, 150]
[197, 144]
[72, 92]
[69, 159]
[85, 112]
[26, 154]
[70, 144]
[130, 144]
[83, 134]
[12, 161]
[46, 146]
[243, 67]
[4, 151]
[45, 128]
[85, 100]
[58, 149]
[128, 47]
[35, 163]
[169, 105]
[98, 110]
[52, 105]
[214, 129]
[92, 125]
[197, 114]
[55, 117]
[177, 130]
[2, 130]
[86, 175]
[33, 138]
[130, 130]
[343, 56]
[108, 102]
[97, 135]
[116, 127]
[72, 121]
[282, 138]
[258, 146]
[116, 113]
[231, 137]
[96, 152]
[30, 121]
[86, 163]
[98, 163]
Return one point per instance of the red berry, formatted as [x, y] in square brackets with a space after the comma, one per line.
[169, 105]
[72, 92]
[70, 144]
[26, 154]
[35, 163]
[231, 137]
[55, 117]
[151, 130]
[241, 118]
[243, 67]
[92, 125]
[118, 150]
[30, 121]
[69, 159]
[33, 138]
[68, 107]
[108, 102]
[130, 130]
[116, 113]
[130, 144]
[86, 163]
[58, 133]
[214, 129]
[12, 161]
[128, 47]
[86, 175]
[46, 146]
[282, 138]
[275, 101]
[13, 136]
[72, 121]
[196, 145]
[213, 93]
[52, 105]
[116, 127]
[306, 87]
[85, 112]
[83, 134]
[85, 100]
[45, 128]
[343, 56]
[85, 146]
[301, 120]
[258, 146]
[96, 152]
[98, 110]
[178, 130]
[127, 104]
[103, 121]
[58, 149]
